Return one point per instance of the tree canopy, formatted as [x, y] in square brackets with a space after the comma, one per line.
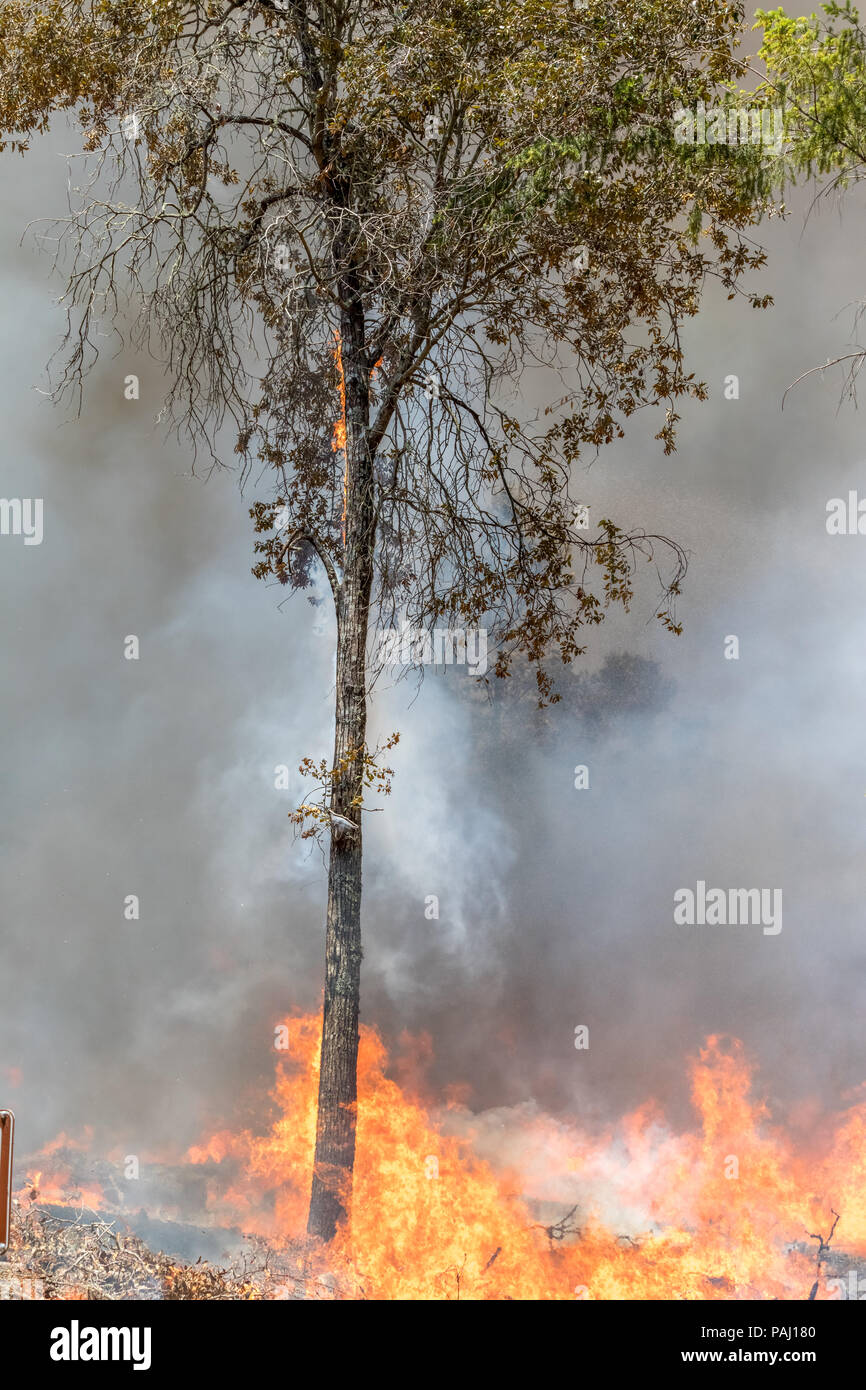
[816, 70]
[495, 179]
[816, 67]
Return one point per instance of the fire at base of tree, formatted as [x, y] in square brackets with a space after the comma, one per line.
[731, 1209]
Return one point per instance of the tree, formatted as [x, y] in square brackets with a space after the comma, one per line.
[417, 211]
[816, 68]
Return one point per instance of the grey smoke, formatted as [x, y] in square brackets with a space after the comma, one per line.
[156, 777]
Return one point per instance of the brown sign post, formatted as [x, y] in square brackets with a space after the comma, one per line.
[7, 1131]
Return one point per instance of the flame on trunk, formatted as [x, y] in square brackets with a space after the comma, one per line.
[338, 438]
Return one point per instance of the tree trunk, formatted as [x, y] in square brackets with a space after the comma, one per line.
[338, 1080]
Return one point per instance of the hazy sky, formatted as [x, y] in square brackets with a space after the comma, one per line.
[156, 777]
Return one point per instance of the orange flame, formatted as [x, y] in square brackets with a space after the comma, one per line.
[60, 1189]
[338, 438]
[726, 1210]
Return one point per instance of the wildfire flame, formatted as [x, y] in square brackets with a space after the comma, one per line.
[338, 438]
[60, 1189]
[724, 1211]
[721, 1208]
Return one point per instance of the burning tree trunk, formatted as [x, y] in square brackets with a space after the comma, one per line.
[338, 1085]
